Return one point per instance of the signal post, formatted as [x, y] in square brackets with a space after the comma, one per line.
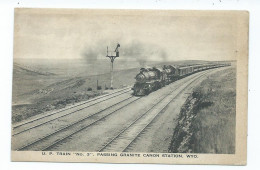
[112, 58]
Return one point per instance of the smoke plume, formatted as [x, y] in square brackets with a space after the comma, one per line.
[129, 50]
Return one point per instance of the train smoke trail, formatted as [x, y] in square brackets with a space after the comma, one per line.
[134, 50]
[143, 52]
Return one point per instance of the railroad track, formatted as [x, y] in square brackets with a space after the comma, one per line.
[20, 128]
[61, 110]
[123, 140]
[53, 139]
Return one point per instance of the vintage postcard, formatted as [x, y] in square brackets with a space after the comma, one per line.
[130, 86]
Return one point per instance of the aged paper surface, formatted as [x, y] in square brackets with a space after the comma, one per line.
[130, 86]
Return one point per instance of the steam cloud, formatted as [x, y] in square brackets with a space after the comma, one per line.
[140, 51]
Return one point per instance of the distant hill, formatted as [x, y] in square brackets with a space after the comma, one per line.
[30, 70]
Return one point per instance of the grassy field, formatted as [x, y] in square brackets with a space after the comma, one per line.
[208, 118]
[34, 94]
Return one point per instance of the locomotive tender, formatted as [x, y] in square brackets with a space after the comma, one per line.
[153, 78]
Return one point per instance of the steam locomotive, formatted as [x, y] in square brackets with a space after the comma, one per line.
[153, 78]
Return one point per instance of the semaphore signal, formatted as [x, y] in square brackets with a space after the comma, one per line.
[112, 58]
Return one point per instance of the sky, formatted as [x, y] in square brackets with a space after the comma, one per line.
[150, 35]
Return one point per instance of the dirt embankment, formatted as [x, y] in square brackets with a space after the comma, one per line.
[206, 123]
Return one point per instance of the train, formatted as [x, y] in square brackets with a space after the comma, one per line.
[150, 79]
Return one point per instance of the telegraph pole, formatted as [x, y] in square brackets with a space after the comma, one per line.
[112, 58]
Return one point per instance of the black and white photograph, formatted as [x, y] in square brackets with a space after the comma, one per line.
[129, 83]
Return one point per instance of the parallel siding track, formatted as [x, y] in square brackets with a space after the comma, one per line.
[20, 128]
[50, 140]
